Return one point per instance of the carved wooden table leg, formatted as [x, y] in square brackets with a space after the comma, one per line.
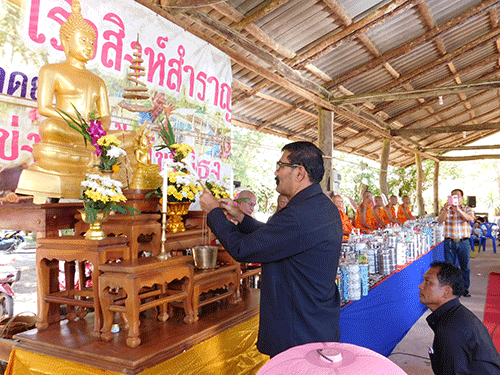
[43, 288]
[187, 287]
[132, 303]
[69, 278]
[196, 302]
[163, 315]
[234, 289]
[107, 315]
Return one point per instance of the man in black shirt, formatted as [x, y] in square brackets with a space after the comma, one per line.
[462, 344]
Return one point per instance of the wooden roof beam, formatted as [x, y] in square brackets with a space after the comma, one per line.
[416, 94]
[235, 16]
[487, 76]
[468, 158]
[339, 11]
[446, 129]
[262, 11]
[462, 148]
[484, 117]
[446, 141]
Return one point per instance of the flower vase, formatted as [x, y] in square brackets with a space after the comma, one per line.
[175, 211]
[95, 231]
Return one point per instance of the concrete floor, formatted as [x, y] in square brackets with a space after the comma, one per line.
[420, 336]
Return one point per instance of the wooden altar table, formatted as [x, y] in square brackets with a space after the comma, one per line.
[170, 347]
[45, 219]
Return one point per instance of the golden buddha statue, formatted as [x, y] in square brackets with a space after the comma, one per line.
[146, 175]
[61, 158]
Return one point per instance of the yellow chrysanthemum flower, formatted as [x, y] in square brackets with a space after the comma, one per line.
[108, 140]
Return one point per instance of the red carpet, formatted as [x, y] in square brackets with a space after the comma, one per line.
[492, 309]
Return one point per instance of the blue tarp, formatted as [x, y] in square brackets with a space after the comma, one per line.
[380, 320]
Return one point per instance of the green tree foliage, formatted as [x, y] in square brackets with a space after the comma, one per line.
[12, 45]
[253, 157]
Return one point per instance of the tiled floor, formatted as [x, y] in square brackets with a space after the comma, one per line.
[420, 336]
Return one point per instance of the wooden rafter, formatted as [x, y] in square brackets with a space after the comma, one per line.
[462, 148]
[415, 94]
[468, 158]
[447, 129]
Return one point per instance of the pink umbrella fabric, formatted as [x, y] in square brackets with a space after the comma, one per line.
[342, 359]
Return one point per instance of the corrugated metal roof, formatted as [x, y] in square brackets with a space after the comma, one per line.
[349, 52]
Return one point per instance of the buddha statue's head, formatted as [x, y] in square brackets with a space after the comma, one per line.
[77, 35]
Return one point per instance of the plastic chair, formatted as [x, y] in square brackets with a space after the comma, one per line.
[488, 234]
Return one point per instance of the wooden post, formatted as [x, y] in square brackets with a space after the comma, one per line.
[384, 164]
[325, 140]
[435, 186]
[420, 181]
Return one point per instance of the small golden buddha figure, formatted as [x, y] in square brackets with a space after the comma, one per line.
[146, 175]
[61, 158]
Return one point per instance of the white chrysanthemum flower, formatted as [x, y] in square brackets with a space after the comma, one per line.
[102, 190]
[115, 152]
[117, 184]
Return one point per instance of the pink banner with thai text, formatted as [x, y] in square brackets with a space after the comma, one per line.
[187, 79]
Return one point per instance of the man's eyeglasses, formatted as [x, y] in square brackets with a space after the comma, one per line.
[279, 164]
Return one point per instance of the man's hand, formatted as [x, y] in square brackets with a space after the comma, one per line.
[460, 209]
[232, 209]
[208, 201]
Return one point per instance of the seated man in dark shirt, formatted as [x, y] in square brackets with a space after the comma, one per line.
[462, 344]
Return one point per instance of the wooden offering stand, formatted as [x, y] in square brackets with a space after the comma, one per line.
[210, 280]
[70, 250]
[143, 230]
[132, 277]
[226, 276]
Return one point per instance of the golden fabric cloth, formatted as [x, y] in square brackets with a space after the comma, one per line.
[232, 352]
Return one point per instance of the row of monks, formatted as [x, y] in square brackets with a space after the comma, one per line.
[372, 214]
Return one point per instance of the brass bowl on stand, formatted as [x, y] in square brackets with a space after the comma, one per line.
[205, 257]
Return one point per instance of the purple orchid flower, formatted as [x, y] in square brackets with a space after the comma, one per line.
[96, 131]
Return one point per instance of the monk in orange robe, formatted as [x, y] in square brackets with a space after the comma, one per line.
[364, 214]
[388, 215]
[377, 210]
[404, 213]
[347, 226]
